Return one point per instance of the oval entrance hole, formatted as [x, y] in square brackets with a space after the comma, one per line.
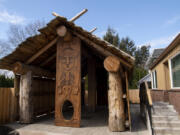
[67, 110]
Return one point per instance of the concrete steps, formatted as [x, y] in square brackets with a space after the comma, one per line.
[173, 124]
[167, 131]
[165, 119]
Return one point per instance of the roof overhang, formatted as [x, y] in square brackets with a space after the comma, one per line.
[48, 34]
[168, 49]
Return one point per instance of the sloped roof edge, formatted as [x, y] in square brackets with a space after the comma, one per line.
[169, 48]
[48, 33]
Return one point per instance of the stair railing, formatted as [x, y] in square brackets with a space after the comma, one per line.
[146, 105]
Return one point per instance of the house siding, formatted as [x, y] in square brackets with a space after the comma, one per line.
[163, 75]
[164, 92]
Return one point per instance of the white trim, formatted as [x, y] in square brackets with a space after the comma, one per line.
[154, 80]
[151, 80]
[170, 71]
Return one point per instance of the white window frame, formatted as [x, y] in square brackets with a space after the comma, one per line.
[153, 79]
[170, 69]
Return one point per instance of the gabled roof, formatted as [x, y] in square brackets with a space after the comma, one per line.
[47, 34]
[167, 50]
[157, 52]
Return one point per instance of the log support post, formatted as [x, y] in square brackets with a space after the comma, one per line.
[15, 113]
[115, 95]
[91, 85]
[25, 98]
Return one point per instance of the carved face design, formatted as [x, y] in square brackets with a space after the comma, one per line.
[68, 59]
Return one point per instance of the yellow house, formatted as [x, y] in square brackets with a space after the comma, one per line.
[165, 71]
[165, 75]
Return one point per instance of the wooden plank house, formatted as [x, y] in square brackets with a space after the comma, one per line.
[52, 65]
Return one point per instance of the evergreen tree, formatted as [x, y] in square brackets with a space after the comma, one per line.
[6, 82]
[112, 37]
[142, 55]
[127, 45]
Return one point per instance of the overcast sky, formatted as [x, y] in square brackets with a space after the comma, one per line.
[154, 22]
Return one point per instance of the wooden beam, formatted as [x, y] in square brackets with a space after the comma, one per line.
[75, 17]
[61, 31]
[78, 15]
[64, 33]
[102, 50]
[42, 50]
[48, 60]
[56, 14]
[127, 99]
[112, 64]
[148, 92]
[94, 29]
[20, 68]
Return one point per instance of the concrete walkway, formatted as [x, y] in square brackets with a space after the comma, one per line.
[92, 124]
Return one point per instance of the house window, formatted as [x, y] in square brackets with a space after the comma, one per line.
[154, 79]
[175, 71]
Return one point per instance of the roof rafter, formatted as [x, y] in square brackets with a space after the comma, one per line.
[42, 50]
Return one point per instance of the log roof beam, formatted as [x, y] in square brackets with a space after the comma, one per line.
[41, 51]
[21, 68]
[101, 49]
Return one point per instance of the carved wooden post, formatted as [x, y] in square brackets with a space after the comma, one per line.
[68, 81]
[26, 105]
[91, 85]
[115, 95]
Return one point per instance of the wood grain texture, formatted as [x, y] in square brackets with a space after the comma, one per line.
[112, 64]
[61, 31]
[25, 99]
[127, 100]
[21, 68]
[116, 105]
[68, 81]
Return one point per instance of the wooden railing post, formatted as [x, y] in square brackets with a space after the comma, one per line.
[148, 92]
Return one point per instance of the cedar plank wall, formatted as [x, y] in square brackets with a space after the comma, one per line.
[43, 95]
[43, 100]
[8, 107]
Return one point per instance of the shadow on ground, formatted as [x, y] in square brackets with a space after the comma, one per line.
[5, 130]
[137, 122]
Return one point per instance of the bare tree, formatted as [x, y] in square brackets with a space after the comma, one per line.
[19, 33]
